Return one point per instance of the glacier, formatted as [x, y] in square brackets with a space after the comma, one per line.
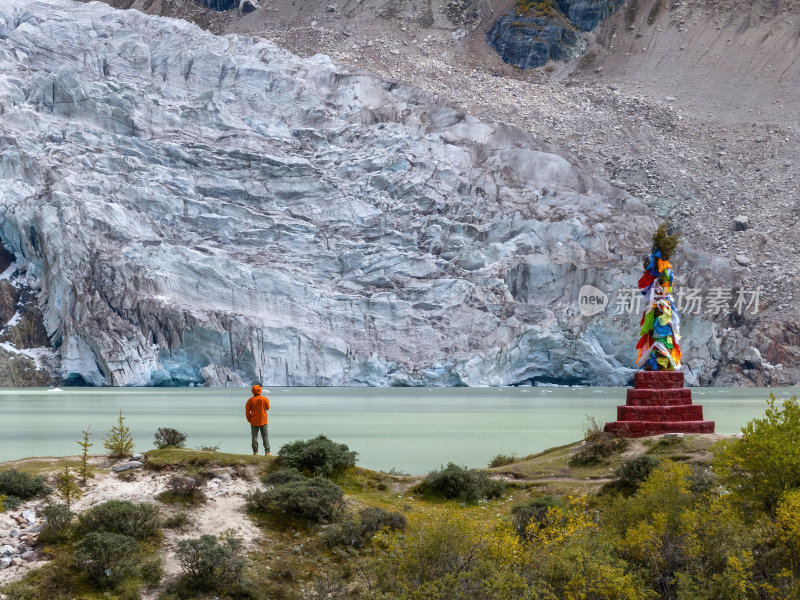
[214, 209]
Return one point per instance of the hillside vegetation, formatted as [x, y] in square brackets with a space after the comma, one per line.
[659, 518]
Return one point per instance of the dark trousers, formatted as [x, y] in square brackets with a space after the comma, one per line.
[264, 437]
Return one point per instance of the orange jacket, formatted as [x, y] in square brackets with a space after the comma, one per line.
[256, 408]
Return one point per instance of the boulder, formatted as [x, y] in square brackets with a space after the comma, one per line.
[751, 358]
[741, 223]
[247, 6]
[134, 464]
[219, 376]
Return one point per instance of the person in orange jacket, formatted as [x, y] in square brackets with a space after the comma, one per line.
[256, 412]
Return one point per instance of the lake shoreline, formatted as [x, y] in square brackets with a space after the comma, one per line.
[411, 430]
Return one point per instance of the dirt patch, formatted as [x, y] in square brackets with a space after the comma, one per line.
[224, 509]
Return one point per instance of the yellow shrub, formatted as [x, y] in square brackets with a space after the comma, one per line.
[787, 516]
[560, 524]
[596, 581]
[643, 542]
[433, 546]
[534, 8]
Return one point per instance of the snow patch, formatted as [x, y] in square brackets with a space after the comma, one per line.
[38, 355]
[13, 320]
[9, 271]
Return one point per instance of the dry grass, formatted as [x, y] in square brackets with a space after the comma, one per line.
[182, 458]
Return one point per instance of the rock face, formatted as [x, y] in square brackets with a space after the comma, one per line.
[25, 357]
[529, 42]
[219, 4]
[185, 200]
[535, 32]
[247, 6]
[219, 376]
[587, 14]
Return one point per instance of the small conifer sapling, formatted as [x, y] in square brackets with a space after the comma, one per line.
[85, 469]
[67, 486]
[119, 442]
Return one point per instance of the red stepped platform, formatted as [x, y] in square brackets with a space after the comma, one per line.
[658, 403]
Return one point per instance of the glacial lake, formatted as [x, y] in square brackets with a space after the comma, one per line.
[412, 430]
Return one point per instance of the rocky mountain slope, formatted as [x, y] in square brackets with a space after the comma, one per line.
[186, 201]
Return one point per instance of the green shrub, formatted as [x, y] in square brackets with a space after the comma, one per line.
[316, 499]
[759, 468]
[52, 582]
[107, 558]
[11, 502]
[319, 456]
[702, 479]
[210, 564]
[282, 476]
[634, 471]
[19, 485]
[357, 530]
[184, 490]
[176, 521]
[455, 482]
[208, 448]
[167, 437]
[139, 521]
[21, 590]
[374, 518]
[346, 533]
[502, 460]
[598, 445]
[283, 570]
[534, 510]
[151, 568]
[57, 525]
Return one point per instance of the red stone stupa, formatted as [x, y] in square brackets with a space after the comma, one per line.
[658, 402]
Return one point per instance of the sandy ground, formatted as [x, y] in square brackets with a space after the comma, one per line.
[224, 510]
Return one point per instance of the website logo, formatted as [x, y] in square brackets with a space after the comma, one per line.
[591, 301]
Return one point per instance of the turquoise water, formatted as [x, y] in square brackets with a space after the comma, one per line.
[410, 429]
